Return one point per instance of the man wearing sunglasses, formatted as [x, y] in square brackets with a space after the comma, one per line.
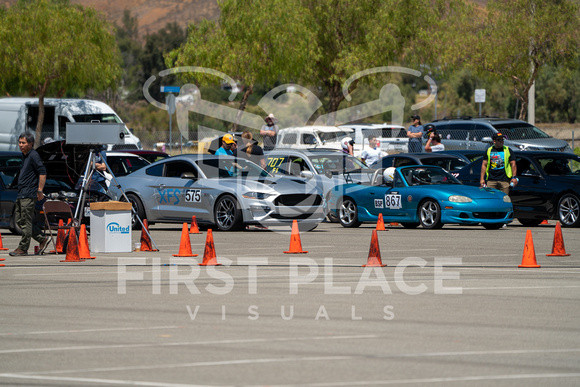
[498, 169]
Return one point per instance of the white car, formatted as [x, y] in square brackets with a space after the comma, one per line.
[391, 138]
[309, 137]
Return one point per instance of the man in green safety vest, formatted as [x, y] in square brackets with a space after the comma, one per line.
[498, 169]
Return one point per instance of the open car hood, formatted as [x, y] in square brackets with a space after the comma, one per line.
[63, 161]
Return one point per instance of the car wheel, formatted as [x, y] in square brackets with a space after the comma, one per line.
[410, 225]
[227, 215]
[332, 218]
[530, 222]
[569, 211]
[430, 214]
[13, 227]
[492, 226]
[348, 213]
[138, 206]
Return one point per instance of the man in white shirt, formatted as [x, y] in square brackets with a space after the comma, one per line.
[434, 143]
[372, 154]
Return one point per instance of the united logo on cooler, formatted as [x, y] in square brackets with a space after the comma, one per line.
[115, 228]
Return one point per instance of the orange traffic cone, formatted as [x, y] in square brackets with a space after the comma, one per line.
[1, 246]
[374, 259]
[394, 224]
[381, 224]
[185, 244]
[295, 244]
[209, 257]
[558, 249]
[84, 252]
[529, 257]
[72, 248]
[145, 240]
[193, 229]
[545, 221]
[60, 236]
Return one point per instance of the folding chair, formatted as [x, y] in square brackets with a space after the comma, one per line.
[54, 211]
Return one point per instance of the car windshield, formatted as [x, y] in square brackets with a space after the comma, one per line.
[447, 163]
[338, 162]
[427, 176]
[560, 165]
[332, 136]
[224, 167]
[520, 131]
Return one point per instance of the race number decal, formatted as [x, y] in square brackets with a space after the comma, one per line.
[393, 201]
[193, 195]
[379, 203]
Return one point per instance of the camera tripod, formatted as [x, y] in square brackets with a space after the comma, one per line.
[90, 169]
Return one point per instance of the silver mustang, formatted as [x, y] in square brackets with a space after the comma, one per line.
[224, 191]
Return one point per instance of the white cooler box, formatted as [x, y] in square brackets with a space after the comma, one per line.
[111, 227]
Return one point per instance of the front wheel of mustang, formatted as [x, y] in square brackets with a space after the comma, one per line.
[227, 214]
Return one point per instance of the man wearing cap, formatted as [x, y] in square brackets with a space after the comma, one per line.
[269, 133]
[228, 146]
[498, 168]
[415, 134]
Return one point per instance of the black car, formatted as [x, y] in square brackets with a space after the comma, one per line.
[468, 154]
[450, 162]
[548, 187]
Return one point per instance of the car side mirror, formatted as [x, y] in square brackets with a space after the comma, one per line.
[306, 174]
[530, 173]
[187, 175]
[487, 140]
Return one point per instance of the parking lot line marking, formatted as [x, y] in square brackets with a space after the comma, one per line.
[100, 381]
[89, 330]
[213, 342]
[434, 380]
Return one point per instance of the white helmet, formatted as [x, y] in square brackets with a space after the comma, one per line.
[345, 141]
[389, 174]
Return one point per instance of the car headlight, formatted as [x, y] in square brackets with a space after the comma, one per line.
[256, 195]
[507, 199]
[459, 199]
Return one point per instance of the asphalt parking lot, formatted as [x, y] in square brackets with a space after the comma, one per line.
[450, 308]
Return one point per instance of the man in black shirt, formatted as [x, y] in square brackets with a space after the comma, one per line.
[30, 185]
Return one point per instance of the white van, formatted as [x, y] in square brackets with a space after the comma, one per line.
[309, 137]
[18, 115]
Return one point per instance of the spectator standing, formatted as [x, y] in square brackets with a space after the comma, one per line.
[498, 168]
[228, 146]
[434, 143]
[31, 182]
[415, 134]
[251, 150]
[269, 132]
[373, 153]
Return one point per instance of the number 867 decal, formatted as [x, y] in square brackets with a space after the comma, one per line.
[393, 201]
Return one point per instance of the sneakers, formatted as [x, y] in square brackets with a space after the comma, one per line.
[17, 253]
[43, 246]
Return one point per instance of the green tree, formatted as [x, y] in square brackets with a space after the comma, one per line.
[514, 39]
[50, 47]
[131, 55]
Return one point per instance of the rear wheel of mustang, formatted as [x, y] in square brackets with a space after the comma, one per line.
[227, 214]
[348, 213]
[138, 207]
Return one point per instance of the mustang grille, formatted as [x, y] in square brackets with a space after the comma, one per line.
[298, 200]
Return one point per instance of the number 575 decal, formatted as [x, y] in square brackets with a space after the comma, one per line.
[193, 195]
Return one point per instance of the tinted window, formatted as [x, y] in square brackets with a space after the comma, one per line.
[520, 131]
[450, 164]
[156, 170]
[178, 168]
[457, 131]
[560, 165]
[480, 132]
[289, 138]
[402, 161]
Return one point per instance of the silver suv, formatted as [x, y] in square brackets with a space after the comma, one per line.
[476, 133]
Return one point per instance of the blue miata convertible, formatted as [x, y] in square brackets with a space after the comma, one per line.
[419, 195]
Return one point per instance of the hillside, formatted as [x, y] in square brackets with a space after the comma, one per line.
[152, 14]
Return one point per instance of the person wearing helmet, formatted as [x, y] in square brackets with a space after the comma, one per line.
[348, 145]
[421, 177]
[389, 175]
[433, 140]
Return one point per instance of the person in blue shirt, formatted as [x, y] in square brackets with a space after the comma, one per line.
[415, 134]
[228, 146]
